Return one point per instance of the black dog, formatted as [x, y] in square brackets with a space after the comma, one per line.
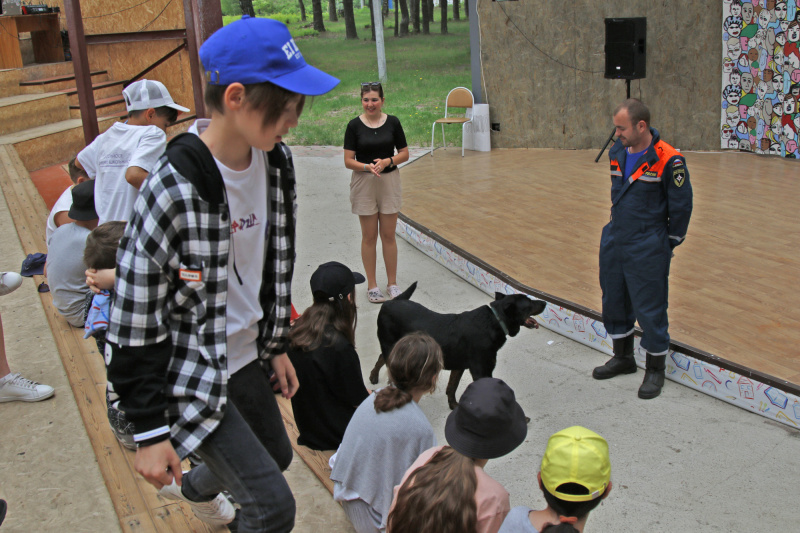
[469, 340]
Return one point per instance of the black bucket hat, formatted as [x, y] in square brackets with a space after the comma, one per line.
[488, 422]
[83, 202]
[334, 281]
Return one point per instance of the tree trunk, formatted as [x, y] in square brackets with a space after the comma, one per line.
[316, 10]
[349, 20]
[332, 11]
[456, 14]
[466, 9]
[302, 10]
[415, 15]
[403, 17]
[443, 9]
[426, 18]
[247, 7]
[396, 20]
[371, 19]
[385, 8]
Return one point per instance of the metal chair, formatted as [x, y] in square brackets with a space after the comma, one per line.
[461, 98]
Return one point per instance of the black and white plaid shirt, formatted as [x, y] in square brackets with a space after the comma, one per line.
[168, 358]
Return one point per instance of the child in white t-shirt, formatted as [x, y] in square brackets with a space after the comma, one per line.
[121, 158]
[59, 215]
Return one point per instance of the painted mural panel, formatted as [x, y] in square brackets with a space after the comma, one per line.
[761, 76]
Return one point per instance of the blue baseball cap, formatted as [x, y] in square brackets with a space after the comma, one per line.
[255, 50]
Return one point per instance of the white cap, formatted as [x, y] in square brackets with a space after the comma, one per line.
[146, 94]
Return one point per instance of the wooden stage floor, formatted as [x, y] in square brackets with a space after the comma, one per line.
[536, 216]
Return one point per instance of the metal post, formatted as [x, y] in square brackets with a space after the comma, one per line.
[80, 65]
[378, 21]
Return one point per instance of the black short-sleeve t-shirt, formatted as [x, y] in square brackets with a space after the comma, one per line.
[331, 387]
[374, 143]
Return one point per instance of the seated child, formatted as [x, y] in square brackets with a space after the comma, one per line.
[322, 350]
[100, 257]
[446, 489]
[387, 432]
[575, 477]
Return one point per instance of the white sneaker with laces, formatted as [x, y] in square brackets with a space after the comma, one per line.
[15, 388]
[9, 282]
[394, 291]
[218, 512]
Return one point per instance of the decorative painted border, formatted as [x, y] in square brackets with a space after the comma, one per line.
[727, 385]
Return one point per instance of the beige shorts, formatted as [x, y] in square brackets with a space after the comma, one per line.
[370, 194]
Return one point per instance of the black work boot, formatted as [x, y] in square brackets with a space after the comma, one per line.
[653, 377]
[622, 362]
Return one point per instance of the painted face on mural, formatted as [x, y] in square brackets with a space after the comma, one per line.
[775, 127]
[775, 149]
[767, 114]
[735, 78]
[789, 105]
[752, 55]
[764, 18]
[727, 65]
[777, 110]
[742, 129]
[732, 94]
[793, 32]
[744, 144]
[734, 48]
[733, 143]
[762, 90]
[747, 82]
[726, 132]
[791, 147]
[733, 115]
[735, 29]
[747, 13]
[736, 9]
[777, 83]
[788, 132]
[784, 25]
[751, 123]
[795, 90]
[780, 38]
[780, 10]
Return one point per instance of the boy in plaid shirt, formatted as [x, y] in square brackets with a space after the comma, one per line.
[203, 292]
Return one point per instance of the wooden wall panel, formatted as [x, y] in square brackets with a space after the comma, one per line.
[543, 71]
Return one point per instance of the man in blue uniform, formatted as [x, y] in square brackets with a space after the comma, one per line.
[651, 203]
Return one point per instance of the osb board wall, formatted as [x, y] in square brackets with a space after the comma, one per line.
[124, 60]
[117, 16]
[546, 102]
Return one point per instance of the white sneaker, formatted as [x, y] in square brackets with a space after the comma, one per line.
[9, 282]
[218, 511]
[18, 389]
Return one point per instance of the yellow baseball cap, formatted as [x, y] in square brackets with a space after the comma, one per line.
[576, 455]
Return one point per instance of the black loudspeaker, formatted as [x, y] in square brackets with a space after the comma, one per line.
[626, 48]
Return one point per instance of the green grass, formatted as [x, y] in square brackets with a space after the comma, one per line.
[421, 69]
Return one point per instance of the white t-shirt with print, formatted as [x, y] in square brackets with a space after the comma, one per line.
[246, 192]
[63, 203]
[108, 157]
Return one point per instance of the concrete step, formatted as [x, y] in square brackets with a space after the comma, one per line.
[24, 111]
[50, 144]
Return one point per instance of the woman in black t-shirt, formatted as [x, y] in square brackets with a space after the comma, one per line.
[322, 351]
[370, 141]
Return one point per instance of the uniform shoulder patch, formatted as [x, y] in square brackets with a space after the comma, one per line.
[677, 163]
[679, 176]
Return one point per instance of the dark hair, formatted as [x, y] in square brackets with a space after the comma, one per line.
[437, 497]
[636, 109]
[265, 97]
[102, 243]
[371, 87]
[75, 172]
[413, 364]
[310, 331]
[565, 508]
[169, 113]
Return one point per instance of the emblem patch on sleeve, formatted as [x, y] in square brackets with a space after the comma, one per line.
[679, 176]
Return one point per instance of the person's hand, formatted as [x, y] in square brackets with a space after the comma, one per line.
[284, 372]
[158, 464]
[102, 279]
[376, 166]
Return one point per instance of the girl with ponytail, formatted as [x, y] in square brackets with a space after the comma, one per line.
[386, 434]
[322, 350]
[446, 489]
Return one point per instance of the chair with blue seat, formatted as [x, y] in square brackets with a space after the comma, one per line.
[458, 98]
